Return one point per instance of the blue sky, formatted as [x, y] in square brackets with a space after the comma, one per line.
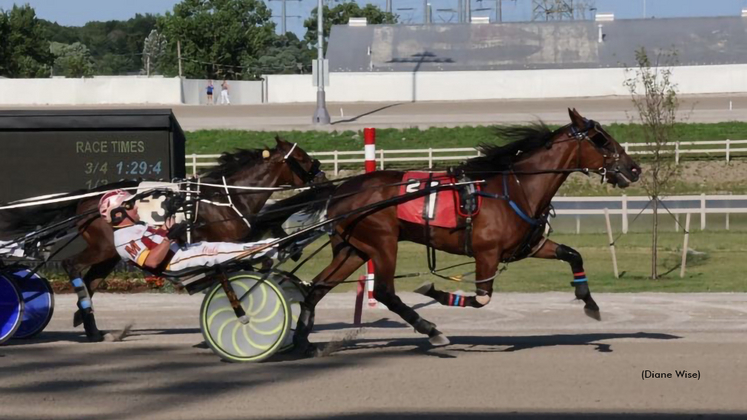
[78, 12]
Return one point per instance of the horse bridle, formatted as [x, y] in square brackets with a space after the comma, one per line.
[305, 176]
[612, 160]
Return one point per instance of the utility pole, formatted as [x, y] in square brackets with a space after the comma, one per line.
[644, 9]
[179, 55]
[321, 116]
[499, 11]
[468, 11]
[147, 66]
[389, 6]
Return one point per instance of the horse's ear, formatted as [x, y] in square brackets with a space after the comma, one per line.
[576, 118]
[279, 141]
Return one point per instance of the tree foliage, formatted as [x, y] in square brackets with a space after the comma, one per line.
[154, 49]
[216, 36]
[72, 60]
[286, 54]
[115, 46]
[340, 15]
[24, 47]
[654, 96]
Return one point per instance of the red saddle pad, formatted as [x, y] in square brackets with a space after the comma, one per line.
[439, 208]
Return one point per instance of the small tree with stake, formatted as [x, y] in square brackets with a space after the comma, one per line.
[654, 97]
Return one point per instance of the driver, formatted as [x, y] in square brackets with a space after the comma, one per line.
[156, 249]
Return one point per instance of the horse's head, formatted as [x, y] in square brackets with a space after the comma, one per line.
[599, 150]
[300, 169]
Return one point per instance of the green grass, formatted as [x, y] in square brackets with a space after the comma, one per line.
[721, 269]
[217, 141]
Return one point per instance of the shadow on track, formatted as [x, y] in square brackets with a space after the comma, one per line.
[523, 416]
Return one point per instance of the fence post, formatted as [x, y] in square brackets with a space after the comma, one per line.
[684, 246]
[627, 148]
[702, 211]
[337, 164]
[612, 243]
[727, 150]
[430, 158]
[677, 222]
[381, 156]
[677, 153]
[578, 224]
[194, 165]
[625, 213]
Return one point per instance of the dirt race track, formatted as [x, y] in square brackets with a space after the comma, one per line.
[525, 356]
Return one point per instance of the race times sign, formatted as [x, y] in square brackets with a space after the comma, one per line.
[45, 161]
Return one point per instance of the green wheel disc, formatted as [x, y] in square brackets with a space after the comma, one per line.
[269, 316]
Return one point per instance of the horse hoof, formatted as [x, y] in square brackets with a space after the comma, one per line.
[595, 314]
[424, 289]
[77, 318]
[96, 337]
[439, 340]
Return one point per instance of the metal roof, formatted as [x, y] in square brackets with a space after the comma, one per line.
[534, 45]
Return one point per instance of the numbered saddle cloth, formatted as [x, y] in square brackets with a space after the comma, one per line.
[441, 207]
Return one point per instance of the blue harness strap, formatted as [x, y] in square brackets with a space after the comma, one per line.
[519, 212]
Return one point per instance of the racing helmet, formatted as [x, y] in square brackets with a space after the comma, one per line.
[111, 201]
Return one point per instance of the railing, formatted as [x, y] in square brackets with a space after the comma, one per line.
[337, 159]
[628, 207]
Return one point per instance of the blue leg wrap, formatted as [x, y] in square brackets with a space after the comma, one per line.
[84, 299]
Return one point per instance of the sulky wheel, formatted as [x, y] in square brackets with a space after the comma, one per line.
[267, 308]
[11, 307]
[38, 303]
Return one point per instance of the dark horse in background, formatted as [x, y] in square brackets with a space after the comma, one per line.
[520, 180]
[286, 164]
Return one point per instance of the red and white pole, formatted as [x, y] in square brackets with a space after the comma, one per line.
[369, 138]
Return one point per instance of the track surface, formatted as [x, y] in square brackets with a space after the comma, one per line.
[523, 356]
[352, 116]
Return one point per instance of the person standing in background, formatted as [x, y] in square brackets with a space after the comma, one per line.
[224, 93]
[210, 92]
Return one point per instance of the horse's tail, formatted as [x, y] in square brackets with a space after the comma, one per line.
[271, 217]
[18, 221]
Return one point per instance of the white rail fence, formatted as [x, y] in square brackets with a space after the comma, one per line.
[630, 207]
[339, 159]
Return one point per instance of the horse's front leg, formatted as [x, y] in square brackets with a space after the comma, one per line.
[486, 266]
[552, 250]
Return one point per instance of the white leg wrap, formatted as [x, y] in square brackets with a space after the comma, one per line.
[482, 300]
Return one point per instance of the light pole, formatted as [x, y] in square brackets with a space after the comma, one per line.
[321, 116]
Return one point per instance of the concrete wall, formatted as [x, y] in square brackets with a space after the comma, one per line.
[240, 92]
[365, 87]
[90, 91]
[121, 90]
[509, 84]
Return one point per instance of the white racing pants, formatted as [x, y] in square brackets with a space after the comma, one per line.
[204, 254]
[224, 98]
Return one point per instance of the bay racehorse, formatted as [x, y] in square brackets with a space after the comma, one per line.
[285, 164]
[520, 180]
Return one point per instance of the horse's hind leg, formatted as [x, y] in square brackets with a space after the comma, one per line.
[384, 256]
[346, 260]
[552, 250]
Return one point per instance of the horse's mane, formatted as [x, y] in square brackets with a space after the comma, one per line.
[522, 139]
[230, 163]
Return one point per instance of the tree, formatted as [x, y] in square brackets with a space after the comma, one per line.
[654, 97]
[72, 60]
[154, 48]
[216, 36]
[115, 46]
[286, 55]
[339, 15]
[24, 49]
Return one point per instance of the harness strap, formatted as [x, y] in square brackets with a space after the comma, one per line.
[230, 204]
[505, 196]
